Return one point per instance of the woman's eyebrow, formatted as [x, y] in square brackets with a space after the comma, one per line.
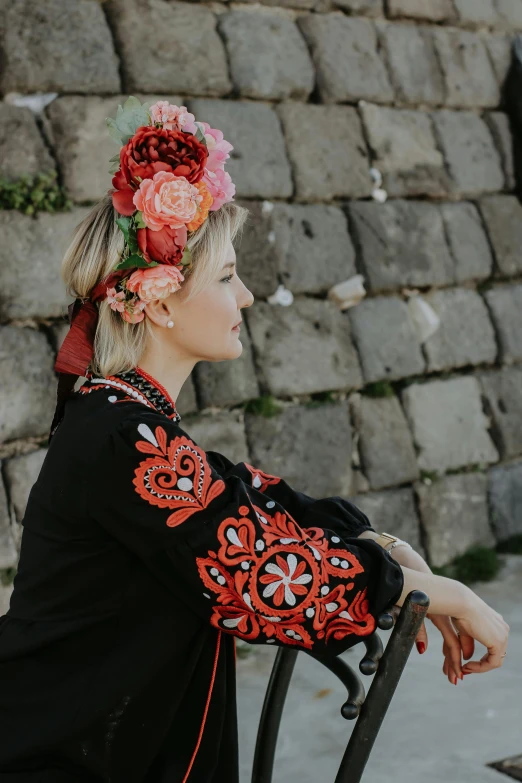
[230, 263]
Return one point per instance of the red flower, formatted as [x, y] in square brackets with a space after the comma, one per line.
[165, 246]
[123, 195]
[157, 149]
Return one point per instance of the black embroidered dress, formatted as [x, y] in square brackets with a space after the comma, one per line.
[142, 557]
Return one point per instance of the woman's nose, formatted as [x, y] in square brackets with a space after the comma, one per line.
[248, 297]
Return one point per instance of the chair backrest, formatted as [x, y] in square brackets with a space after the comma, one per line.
[387, 665]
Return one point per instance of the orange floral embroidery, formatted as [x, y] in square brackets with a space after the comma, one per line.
[177, 477]
[261, 480]
[277, 580]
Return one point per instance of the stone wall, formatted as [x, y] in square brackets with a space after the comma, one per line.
[312, 94]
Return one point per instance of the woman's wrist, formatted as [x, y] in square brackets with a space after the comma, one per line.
[447, 596]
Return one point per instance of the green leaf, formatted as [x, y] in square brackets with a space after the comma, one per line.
[133, 260]
[123, 223]
[115, 158]
[138, 219]
[114, 131]
[186, 258]
[200, 136]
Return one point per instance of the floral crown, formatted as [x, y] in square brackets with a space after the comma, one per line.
[169, 174]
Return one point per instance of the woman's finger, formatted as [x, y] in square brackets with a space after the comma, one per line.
[493, 659]
[421, 639]
[467, 643]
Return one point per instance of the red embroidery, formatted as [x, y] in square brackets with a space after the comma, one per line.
[278, 580]
[178, 477]
[261, 480]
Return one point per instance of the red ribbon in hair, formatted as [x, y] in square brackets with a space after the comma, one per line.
[76, 351]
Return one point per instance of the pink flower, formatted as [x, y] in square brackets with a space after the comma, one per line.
[133, 314]
[155, 283]
[167, 200]
[218, 149]
[116, 300]
[172, 117]
[220, 186]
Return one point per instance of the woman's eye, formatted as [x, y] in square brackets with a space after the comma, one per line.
[227, 279]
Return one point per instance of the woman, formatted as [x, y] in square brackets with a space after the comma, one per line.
[143, 556]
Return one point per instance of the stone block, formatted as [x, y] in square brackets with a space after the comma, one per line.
[293, 446]
[509, 14]
[27, 383]
[82, 143]
[401, 243]
[385, 443]
[332, 163]
[393, 511]
[257, 164]
[454, 513]
[57, 46]
[405, 151]
[223, 432]
[22, 148]
[468, 73]
[30, 261]
[502, 390]
[307, 246]
[448, 424]
[360, 7]
[228, 383]
[385, 339]
[346, 57]
[268, 56]
[169, 47]
[405, 44]
[499, 48]
[505, 498]
[304, 348]
[476, 13]
[503, 219]
[467, 241]
[8, 551]
[505, 304]
[21, 473]
[5, 598]
[433, 10]
[498, 123]
[465, 336]
[472, 158]
[186, 402]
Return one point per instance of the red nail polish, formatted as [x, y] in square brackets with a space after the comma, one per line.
[421, 647]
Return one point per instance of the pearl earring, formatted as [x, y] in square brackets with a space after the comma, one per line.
[170, 324]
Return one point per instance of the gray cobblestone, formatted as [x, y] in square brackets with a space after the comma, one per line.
[57, 46]
[22, 149]
[476, 12]
[186, 401]
[8, 552]
[473, 161]
[501, 389]
[361, 7]
[503, 218]
[468, 241]
[21, 473]
[433, 10]
[454, 511]
[466, 334]
[169, 47]
[448, 425]
[510, 14]
[292, 445]
[223, 432]
[385, 339]
[228, 383]
[304, 348]
[393, 511]
[332, 163]
[27, 383]
[499, 48]
[268, 56]
[385, 443]
[401, 244]
[469, 77]
[505, 497]
[250, 126]
[405, 44]
[346, 58]
[498, 123]
[405, 151]
[30, 260]
[505, 303]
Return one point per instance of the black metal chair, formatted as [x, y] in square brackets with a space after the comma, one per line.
[387, 665]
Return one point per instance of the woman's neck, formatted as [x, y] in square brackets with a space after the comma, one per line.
[170, 374]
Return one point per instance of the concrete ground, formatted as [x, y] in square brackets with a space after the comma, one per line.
[433, 732]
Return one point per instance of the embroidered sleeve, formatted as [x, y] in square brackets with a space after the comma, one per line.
[335, 512]
[236, 555]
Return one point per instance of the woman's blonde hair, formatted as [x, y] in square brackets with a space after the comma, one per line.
[96, 248]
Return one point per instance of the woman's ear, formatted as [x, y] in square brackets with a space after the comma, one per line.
[160, 311]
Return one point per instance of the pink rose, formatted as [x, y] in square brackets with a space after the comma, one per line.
[172, 117]
[221, 187]
[134, 314]
[218, 149]
[116, 300]
[155, 283]
[167, 200]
